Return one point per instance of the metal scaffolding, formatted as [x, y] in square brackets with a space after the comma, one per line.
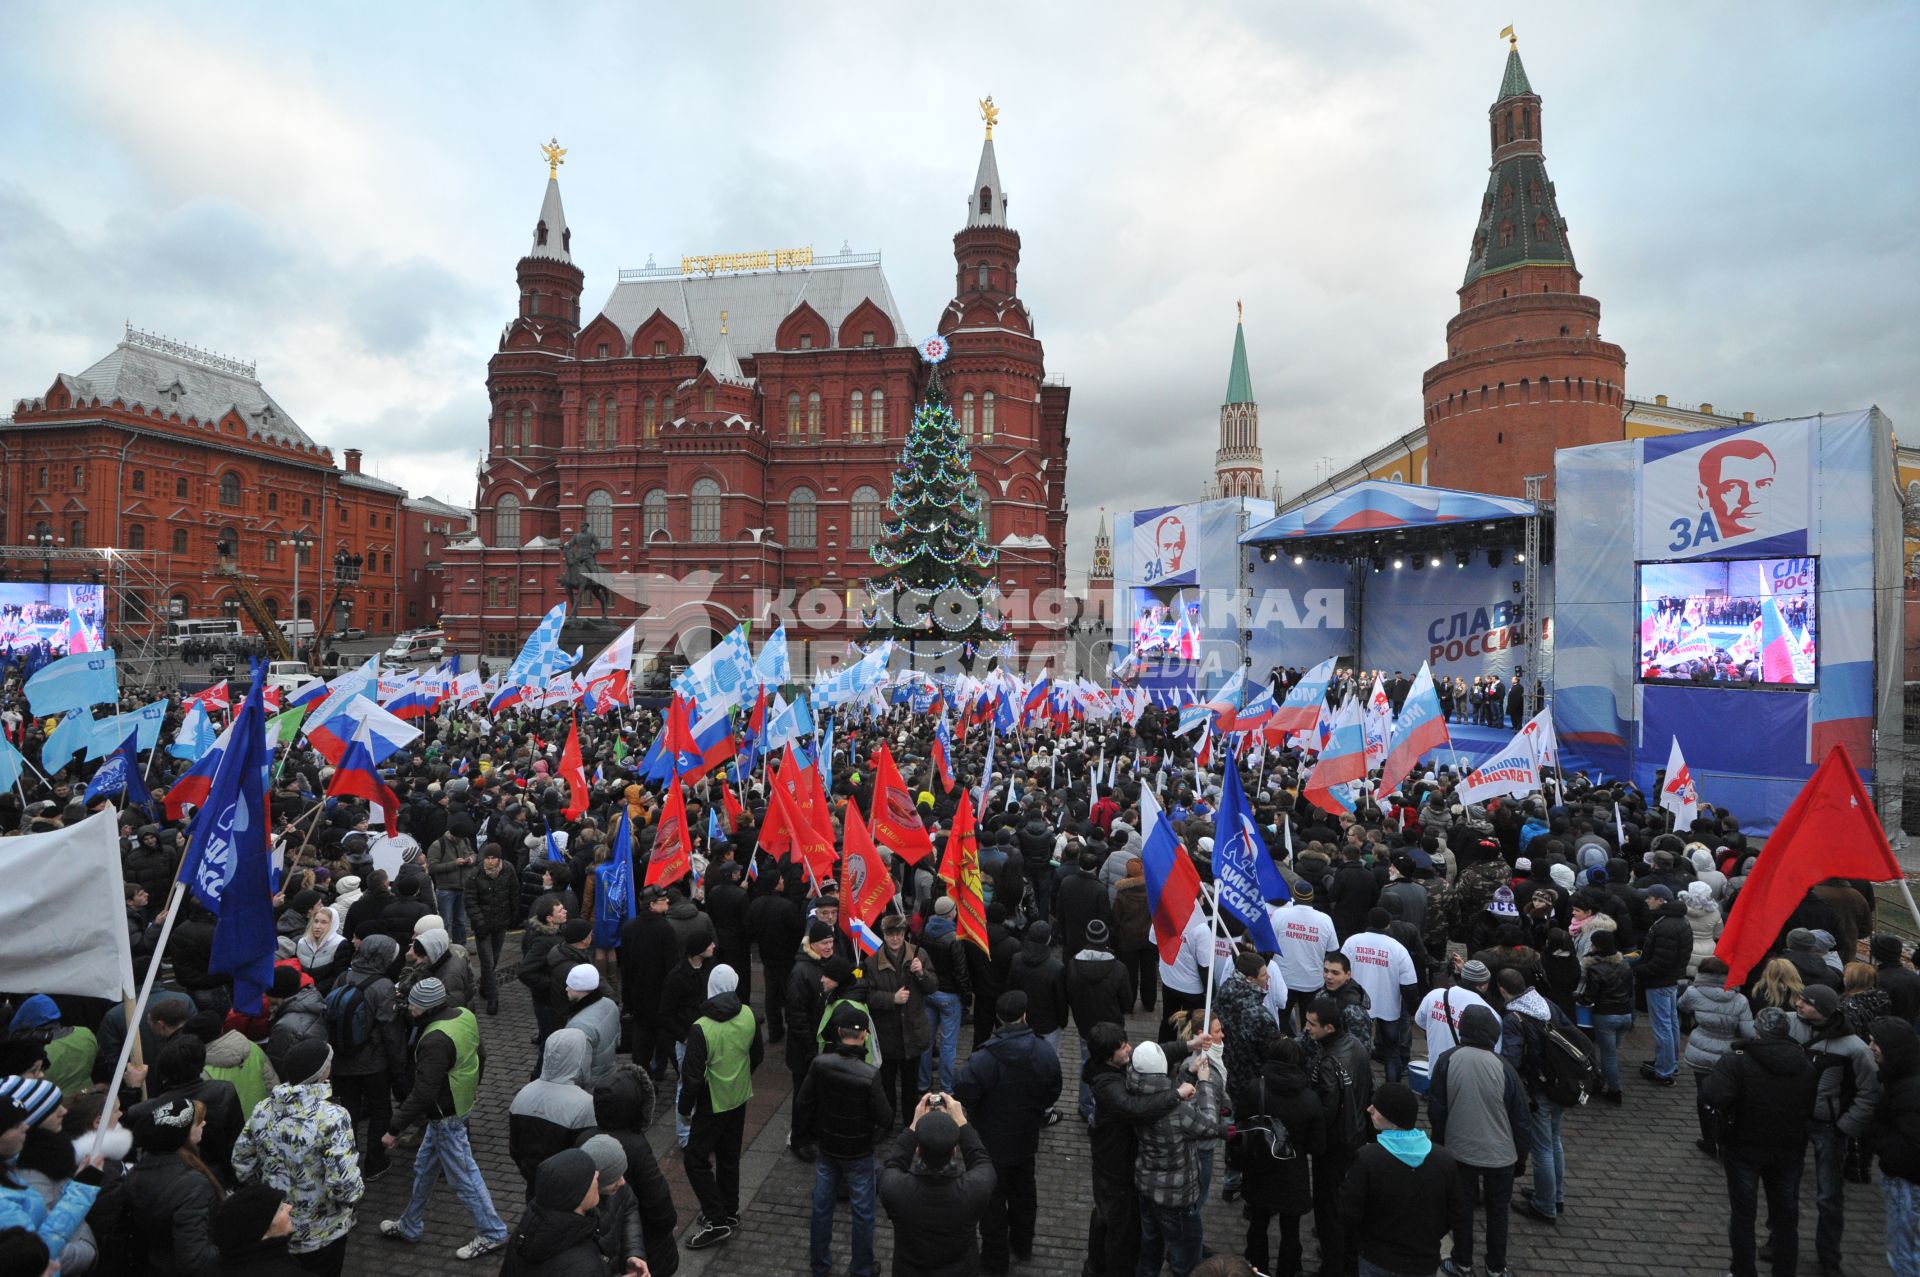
[135, 592]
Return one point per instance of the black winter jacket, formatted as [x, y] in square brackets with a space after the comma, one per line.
[647, 952]
[681, 994]
[171, 1204]
[1079, 898]
[555, 1243]
[493, 901]
[1766, 1087]
[1895, 1133]
[1099, 988]
[1665, 949]
[804, 1002]
[1288, 1097]
[951, 962]
[936, 1213]
[1118, 1115]
[1036, 840]
[1608, 989]
[1007, 1086]
[842, 1108]
[1039, 975]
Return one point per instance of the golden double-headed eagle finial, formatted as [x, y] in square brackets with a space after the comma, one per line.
[555, 154]
[990, 113]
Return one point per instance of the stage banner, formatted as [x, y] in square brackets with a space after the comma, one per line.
[1465, 621]
[1747, 492]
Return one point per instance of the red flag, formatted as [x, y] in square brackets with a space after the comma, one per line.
[573, 770]
[896, 821]
[1830, 831]
[865, 884]
[671, 859]
[731, 806]
[800, 838]
[680, 728]
[960, 867]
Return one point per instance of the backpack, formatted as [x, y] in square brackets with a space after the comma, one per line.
[1563, 1064]
[1260, 1144]
[349, 1018]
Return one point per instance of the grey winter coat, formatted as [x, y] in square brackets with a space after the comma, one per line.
[1721, 1017]
[1167, 1169]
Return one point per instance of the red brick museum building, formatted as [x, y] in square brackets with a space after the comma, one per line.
[736, 420]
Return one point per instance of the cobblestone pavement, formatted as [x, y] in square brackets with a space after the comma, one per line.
[1641, 1200]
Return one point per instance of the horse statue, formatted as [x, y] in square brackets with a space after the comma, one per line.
[583, 567]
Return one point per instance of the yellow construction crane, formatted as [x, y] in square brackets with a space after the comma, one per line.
[277, 646]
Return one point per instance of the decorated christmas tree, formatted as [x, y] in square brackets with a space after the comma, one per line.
[936, 568]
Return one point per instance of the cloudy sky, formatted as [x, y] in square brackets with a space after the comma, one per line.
[340, 193]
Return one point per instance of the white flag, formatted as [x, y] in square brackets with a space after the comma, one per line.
[1678, 793]
[1513, 771]
[63, 916]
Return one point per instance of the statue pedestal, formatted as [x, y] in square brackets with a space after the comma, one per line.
[590, 634]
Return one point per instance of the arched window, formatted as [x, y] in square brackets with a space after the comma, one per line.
[273, 503]
[540, 234]
[228, 543]
[506, 522]
[982, 275]
[386, 561]
[813, 413]
[803, 519]
[706, 399]
[1506, 234]
[986, 199]
[526, 429]
[793, 412]
[593, 423]
[137, 537]
[270, 549]
[857, 414]
[705, 520]
[647, 420]
[666, 409]
[966, 414]
[273, 607]
[230, 489]
[653, 513]
[610, 424]
[179, 540]
[867, 513]
[986, 417]
[77, 532]
[877, 420]
[600, 515]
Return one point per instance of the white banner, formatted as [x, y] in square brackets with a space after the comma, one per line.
[63, 915]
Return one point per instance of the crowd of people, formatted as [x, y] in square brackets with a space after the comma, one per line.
[1516, 942]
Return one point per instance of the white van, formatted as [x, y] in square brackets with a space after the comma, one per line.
[422, 645]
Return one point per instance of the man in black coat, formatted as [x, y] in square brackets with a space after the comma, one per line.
[842, 1111]
[1099, 991]
[648, 950]
[1901, 982]
[775, 926]
[727, 906]
[934, 1199]
[1080, 899]
[1009, 1086]
[1353, 893]
[806, 999]
[1664, 952]
[1763, 1091]
[1113, 1230]
[1036, 838]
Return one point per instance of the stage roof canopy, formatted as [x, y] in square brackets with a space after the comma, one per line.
[1380, 506]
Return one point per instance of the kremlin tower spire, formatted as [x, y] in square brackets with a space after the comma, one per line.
[1526, 371]
[1237, 464]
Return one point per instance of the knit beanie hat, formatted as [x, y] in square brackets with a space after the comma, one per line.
[576, 929]
[937, 1134]
[1502, 906]
[1399, 1105]
[1475, 972]
[818, 931]
[1149, 1059]
[563, 1180]
[164, 1127]
[1773, 1022]
[36, 1096]
[308, 1061]
[583, 978]
[608, 1156]
[427, 995]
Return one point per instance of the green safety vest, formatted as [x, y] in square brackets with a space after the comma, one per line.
[826, 1016]
[70, 1060]
[249, 1080]
[729, 1059]
[464, 1078]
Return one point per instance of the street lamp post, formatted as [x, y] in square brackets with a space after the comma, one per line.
[299, 542]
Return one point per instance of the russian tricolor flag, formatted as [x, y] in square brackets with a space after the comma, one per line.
[865, 938]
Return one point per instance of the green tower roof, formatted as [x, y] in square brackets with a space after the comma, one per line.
[1514, 82]
[1239, 380]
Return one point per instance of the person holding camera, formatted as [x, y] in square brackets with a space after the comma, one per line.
[934, 1199]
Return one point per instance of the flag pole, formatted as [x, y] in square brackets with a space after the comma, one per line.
[1213, 945]
[134, 1013]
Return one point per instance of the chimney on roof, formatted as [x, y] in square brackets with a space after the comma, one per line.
[353, 460]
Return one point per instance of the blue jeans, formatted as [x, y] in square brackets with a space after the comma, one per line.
[1169, 1233]
[1663, 1009]
[829, 1173]
[453, 912]
[681, 1127]
[1744, 1179]
[445, 1150]
[1549, 1157]
[1829, 1188]
[943, 1010]
[1393, 1046]
[1903, 1222]
[1607, 1032]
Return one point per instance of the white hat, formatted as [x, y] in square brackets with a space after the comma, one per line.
[583, 978]
[428, 922]
[1148, 1058]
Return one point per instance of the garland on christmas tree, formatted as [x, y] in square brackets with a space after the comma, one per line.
[936, 568]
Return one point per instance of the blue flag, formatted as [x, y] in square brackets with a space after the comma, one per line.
[553, 848]
[11, 763]
[74, 682]
[228, 865]
[716, 832]
[1245, 874]
[119, 777]
[196, 734]
[613, 903]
